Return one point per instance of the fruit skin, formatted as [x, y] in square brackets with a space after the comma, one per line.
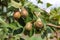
[24, 13]
[38, 24]
[28, 26]
[17, 15]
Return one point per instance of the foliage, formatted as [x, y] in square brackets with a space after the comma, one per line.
[12, 29]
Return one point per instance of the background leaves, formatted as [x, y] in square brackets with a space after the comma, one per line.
[14, 29]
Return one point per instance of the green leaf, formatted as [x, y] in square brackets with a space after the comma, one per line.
[36, 38]
[13, 26]
[39, 38]
[18, 24]
[59, 21]
[17, 36]
[39, 1]
[33, 38]
[3, 22]
[28, 19]
[48, 5]
[44, 22]
[14, 4]
[51, 17]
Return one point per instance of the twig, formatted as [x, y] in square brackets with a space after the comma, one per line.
[52, 25]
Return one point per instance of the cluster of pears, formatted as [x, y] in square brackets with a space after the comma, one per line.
[24, 13]
[37, 24]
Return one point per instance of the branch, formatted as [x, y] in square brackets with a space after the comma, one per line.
[52, 25]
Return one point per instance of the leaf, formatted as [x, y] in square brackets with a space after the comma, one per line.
[48, 5]
[28, 19]
[44, 23]
[27, 3]
[34, 17]
[36, 38]
[51, 17]
[13, 26]
[39, 38]
[18, 24]
[14, 4]
[33, 38]
[59, 21]
[17, 36]
[4, 23]
[39, 1]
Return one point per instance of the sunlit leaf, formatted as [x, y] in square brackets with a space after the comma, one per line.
[48, 4]
[14, 4]
[59, 21]
[39, 1]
